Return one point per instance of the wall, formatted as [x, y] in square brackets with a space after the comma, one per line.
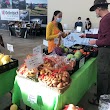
[72, 9]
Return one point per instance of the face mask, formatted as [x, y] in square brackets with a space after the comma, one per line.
[79, 20]
[87, 21]
[58, 20]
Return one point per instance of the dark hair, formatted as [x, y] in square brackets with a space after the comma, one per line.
[55, 14]
[79, 17]
[60, 27]
[59, 24]
[87, 19]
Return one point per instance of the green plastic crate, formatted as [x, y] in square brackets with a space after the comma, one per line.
[7, 81]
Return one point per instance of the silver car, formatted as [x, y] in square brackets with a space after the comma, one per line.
[23, 15]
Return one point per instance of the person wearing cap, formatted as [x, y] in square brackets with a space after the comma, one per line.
[103, 42]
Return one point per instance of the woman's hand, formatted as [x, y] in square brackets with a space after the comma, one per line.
[60, 34]
[67, 33]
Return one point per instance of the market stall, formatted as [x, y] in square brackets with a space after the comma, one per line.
[39, 97]
[49, 82]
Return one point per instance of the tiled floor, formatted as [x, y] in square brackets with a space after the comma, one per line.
[23, 47]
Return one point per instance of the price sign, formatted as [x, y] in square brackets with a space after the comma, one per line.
[78, 29]
[34, 61]
[10, 47]
[56, 40]
[37, 50]
[81, 63]
[45, 42]
[32, 98]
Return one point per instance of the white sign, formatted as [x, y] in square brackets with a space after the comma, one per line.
[10, 14]
[10, 47]
[37, 50]
[32, 99]
[78, 29]
[81, 63]
[56, 40]
[34, 61]
[45, 42]
[95, 31]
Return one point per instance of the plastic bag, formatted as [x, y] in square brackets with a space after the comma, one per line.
[104, 102]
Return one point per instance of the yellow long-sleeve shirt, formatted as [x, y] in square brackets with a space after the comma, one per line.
[51, 33]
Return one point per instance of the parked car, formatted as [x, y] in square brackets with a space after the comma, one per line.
[37, 20]
[24, 15]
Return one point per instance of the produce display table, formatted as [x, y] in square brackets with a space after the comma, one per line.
[41, 98]
[7, 81]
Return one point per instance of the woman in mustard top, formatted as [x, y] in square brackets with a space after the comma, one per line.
[54, 30]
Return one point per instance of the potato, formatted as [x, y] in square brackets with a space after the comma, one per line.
[55, 79]
[49, 82]
[65, 73]
[55, 85]
[64, 84]
[64, 79]
[42, 71]
[50, 85]
[56, 76]
[60, 85]
[67, 79]
[54, 82]
[52, 79]
[59, 81]
[46, 78]
[59, 75]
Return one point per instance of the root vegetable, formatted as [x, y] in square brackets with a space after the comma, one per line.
[54, 85]
[54, 82]
[60, 85]
[64, 79]
[66, 83]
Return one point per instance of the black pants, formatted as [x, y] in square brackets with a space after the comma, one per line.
[103, 72]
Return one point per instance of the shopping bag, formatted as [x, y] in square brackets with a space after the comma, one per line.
[104, 102]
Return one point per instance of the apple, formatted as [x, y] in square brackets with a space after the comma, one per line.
[62, 46]
[70, 56]
[14, 107]
[66, 50]
[78, 54]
